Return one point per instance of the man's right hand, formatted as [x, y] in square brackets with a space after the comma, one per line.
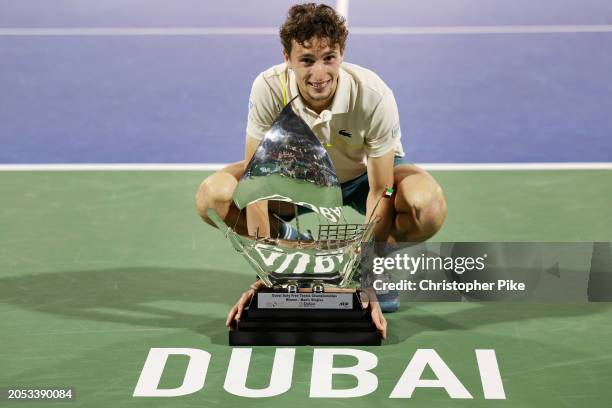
[245, 298]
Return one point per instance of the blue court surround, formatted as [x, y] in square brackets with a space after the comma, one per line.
[161, 99]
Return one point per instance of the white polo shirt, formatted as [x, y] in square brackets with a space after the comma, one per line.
[361, 122]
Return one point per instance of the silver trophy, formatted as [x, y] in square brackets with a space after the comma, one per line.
[310, 295]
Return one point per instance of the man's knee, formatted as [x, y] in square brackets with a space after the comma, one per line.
[432, 214]
[420, 207]
[215, 192]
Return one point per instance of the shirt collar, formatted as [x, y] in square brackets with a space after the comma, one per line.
[293, 91]
[340, 104]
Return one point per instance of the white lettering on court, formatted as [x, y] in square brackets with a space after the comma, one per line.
[411, 379]
[323, 371]
[280, 379]
[195, 375]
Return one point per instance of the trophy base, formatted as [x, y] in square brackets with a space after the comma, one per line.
[265, 326]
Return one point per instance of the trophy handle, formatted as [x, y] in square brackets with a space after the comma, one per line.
[216, 218]
[238, 245]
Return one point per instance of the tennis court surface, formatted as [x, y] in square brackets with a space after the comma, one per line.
[507, 103]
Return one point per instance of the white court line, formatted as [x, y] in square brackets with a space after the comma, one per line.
[518, 29]
[212, 31]
[113, 167]
[217, 166]
[515, 166]
[137, 31]
[342, 7]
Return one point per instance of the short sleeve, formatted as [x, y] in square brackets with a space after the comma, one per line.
[262, 108]
[384, 132]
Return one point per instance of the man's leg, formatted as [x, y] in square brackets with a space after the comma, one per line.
[420, 206]
[216, 192]
[419, 211]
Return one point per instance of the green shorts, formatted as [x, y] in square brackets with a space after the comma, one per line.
[354, 192]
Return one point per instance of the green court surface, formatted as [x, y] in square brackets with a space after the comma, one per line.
[96, 268]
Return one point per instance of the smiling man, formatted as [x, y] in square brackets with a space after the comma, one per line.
[355, 116]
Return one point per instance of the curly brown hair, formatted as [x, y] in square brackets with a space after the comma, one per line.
[308, 20]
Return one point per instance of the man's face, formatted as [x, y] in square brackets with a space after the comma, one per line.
[316, 66]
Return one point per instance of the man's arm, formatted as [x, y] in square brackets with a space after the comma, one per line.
[257, 218]
[256, 213]
[380, 177]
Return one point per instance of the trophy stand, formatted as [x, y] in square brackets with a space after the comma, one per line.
[294, 318]
[298, 309]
